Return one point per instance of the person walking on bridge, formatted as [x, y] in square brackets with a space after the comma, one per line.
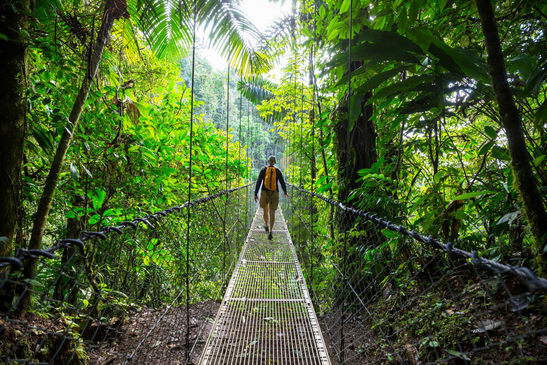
[270, 177]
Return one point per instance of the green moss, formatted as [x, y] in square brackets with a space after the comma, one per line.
[23, 350]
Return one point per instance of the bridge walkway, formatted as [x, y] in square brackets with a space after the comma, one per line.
[266, 315]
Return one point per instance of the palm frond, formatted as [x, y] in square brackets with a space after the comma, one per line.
[256, 89]
[230, 33]
[278, 37]
[166, 25]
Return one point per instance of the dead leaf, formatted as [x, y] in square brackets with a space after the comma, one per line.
[412, 353]
[543, 339]
[487, 325]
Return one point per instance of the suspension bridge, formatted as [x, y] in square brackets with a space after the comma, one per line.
[267, 315]
[335, 286]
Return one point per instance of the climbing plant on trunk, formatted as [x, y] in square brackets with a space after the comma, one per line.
[512, 123]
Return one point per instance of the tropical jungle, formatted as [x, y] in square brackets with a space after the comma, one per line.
[123, 151]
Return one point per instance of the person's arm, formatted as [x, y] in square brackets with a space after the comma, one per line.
[259, 180]
[282, 181]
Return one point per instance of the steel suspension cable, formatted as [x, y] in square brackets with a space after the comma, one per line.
[347, 187]
[312, 117]
[252, 139]
[301, 124]
[248, 140]
[226, 172]
[239, 146]
[190, 187]
[294, 78]
[240, 111]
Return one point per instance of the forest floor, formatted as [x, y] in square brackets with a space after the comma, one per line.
[470, 330]
[166, 343]
[521, 336]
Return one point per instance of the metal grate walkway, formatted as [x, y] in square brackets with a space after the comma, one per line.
[266, 316]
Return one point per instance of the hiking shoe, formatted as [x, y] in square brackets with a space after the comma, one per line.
[266, 228]
[270, 236]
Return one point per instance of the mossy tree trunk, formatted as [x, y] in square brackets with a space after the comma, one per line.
[13, 82]
[512, 123]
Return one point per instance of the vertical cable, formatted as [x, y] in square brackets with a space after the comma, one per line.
[239, 154]
[248, 139]
[312, 79]
[252, 140]
[227, 119]
[190, 190]
[294, 77]
[342, 350]
[240, 111]
[226, 174]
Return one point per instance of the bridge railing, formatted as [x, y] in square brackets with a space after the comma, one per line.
[388, 295]
[131, 293]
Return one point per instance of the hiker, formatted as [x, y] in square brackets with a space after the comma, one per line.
[270, 177]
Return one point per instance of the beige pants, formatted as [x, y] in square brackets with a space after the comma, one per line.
[268, 197]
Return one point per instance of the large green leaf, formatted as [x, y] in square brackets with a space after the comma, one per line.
[525, 63]
[404, 86]
[372, 51]
[534, 83]
[445, 60]
[377, 80]
[389, 40]
[472, 195]
[43, 138]
[469, 62]
[424, 102]
[355, 110]
[501, 153]
[541, 114]
[258, 89]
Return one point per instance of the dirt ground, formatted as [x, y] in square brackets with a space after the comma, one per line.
[166, 343]
[57, 340]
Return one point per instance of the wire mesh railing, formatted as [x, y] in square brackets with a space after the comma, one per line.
[388, 295]
[120, 295]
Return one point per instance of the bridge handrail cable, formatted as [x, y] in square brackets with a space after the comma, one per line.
[533, 282]
[16, 262]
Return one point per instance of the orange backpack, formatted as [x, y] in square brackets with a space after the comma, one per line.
[270, 181]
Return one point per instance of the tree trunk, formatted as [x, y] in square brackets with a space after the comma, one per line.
[512, 123]
[13, 81]
[114, 9]
[362, 149]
